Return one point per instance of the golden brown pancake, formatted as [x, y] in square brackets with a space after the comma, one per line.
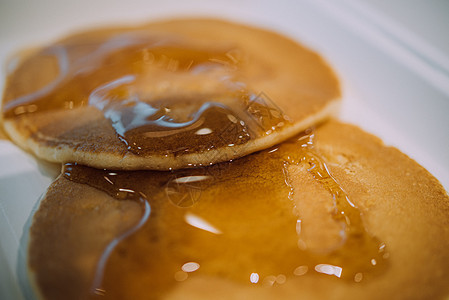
[166, 95]
[3, 135]
[331, 214]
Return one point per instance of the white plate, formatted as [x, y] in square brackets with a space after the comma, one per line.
[394, 85]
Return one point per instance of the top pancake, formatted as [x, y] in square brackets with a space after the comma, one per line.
[335, 216]
[165, 95]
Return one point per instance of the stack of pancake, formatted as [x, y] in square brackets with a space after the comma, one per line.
[201, 161]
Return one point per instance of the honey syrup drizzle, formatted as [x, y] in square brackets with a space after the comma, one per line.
[158, 93]
[353, 235]
[224, 221]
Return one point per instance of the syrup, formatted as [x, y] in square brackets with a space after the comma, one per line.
[162, 95]
[231, 220]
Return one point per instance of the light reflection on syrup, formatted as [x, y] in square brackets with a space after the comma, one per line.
[329, 269]
[200, 223]
[236, 228]
[190, 267]
[254, 278]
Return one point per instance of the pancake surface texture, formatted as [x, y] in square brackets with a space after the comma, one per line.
[330, 214]
[165, 95]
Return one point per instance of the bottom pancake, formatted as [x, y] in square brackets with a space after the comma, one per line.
[331, 214]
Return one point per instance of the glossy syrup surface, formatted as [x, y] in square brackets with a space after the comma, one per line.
[160, 93]
[230, 220]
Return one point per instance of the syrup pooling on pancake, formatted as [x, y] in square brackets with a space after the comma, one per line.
[238, 222]
[71, 70]
[170, 123]
[159, 94]
[353, 234]
[165, 95]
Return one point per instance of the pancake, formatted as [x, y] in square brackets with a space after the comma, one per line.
[330, 214]
[3, 135]
[165, 95]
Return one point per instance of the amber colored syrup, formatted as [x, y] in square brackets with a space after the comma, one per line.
[143, 86]
[231, 220]
[354, 235]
